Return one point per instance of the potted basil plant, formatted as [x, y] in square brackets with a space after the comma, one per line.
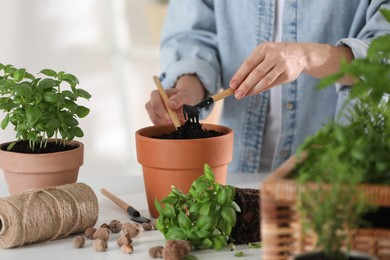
[44, 113]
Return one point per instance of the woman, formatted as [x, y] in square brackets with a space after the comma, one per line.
[272, 52]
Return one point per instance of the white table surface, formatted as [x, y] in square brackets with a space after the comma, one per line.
[129, 187]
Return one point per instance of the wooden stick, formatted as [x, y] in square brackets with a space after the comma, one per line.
[115, 199]
[164, 96]
[223, 94]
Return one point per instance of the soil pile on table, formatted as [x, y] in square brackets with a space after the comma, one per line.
[247, 228]
[190, 130]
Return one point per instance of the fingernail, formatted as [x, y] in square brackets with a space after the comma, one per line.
[234, 84]
[238, 94]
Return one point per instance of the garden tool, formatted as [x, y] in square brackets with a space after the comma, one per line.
[192, 112]
[134, 214]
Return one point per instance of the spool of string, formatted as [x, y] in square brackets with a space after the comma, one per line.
[47, 214]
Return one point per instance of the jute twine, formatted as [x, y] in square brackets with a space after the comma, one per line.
[47, 214]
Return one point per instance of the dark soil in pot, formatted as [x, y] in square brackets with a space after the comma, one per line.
[51, 147]
[190, 130]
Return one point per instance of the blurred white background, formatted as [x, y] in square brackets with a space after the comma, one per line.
[112, 46]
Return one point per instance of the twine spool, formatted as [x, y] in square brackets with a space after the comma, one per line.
[47, 214]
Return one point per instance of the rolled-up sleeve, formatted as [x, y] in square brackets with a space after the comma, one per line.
[189, 43]
[360, 38]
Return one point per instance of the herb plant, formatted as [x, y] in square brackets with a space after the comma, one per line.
[342, 155]
[205, 216]
[40, 107]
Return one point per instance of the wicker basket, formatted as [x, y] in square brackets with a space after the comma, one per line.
[280, 228]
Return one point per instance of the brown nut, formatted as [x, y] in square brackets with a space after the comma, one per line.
[89, 232]
[147, 226]
[127, 249]
[125, 239]
[102, 233]
[131, 229]
[78, 241]
[100, 245]
[105, 225]
[176, 249]
[115, 226]
[156, 252]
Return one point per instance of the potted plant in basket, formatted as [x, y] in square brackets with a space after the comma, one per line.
[341, 173]
[44, 115]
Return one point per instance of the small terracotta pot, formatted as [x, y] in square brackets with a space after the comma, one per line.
[167, 162]
[25, 171]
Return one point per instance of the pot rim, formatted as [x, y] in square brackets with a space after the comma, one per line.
[138, 133]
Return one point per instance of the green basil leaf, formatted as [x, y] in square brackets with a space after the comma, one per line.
[184, 221]
[229, 214]
[5, 122]
[83, 93]
[19, 75]
[176, 234]
[48, 72]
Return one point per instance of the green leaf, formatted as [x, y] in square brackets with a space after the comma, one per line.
[385, 13]
[168, 210]
[209, 173]
[190, 257]
[224, 226]
[219, 242]
[50, 97]
[70, 78]
[78, 132]
[46, 84]
[229, 215]
[23, 89]
[239, 253]
[48, 72]
[184, 221]
[222, 197]
[19, 75]
[202, 233]
[82, 111]
[83, 93]
[5, 122]
[33, 113]
[158, 205]
[255, 245]
[70, 121]
[68, 94]
[52, 125]
[205, 209]
[207, 243]
[176, 234]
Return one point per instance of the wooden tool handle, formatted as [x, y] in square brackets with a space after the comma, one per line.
[164, 96]
[115, 199]
[223, 94]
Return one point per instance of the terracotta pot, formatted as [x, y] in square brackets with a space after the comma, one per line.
[25, 171]
[167, 162]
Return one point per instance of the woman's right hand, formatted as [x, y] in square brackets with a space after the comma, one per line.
[188, 90]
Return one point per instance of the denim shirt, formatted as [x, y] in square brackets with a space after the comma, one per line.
[213, 37]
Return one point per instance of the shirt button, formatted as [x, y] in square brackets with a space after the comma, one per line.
[284, 153]
[289, 106]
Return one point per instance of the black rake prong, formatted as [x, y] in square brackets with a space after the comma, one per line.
[191, 113]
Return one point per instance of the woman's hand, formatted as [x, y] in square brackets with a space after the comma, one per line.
[275, 63]
[188, 90]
